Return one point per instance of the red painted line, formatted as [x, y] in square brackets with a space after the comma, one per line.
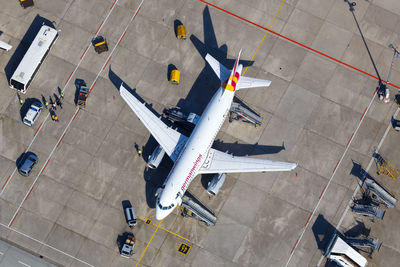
[113, 4]
[309, 217]
[363, 113]
[323, 190]
[91, 88]
[295, 42]
[99, 27]
[6, 182]
[76, 114]
[28, 193]
[40, 125]
[122, 38]
[348, 142]
[294, 246]
[61, 139]
[107, 63]
[45, 166]
[84, 52]
[69, 77]
[13, 220]
[336, 166]
[136, 13]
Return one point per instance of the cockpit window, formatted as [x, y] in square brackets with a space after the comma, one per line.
[164, 208]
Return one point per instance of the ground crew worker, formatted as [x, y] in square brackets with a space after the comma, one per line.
[46, 104]
[21, 101]
[54, 117]
[62, 95]
[139, 151]
[54, 106]
[58, 101]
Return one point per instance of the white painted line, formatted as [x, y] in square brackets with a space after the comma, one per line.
[330, 180]
[72, 118]
[24, 264]
[46, 245]
[358, 185]
[63, 90]
[1, 253]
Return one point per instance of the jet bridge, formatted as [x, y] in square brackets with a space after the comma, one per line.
[197, 210]
[370, 242]
[371, 211]
[379, 192]
[242, 113]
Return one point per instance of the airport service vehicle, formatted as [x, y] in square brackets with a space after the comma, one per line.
[194, 155]
[27, 162]
[5, 46]
[130, 216]
[33, 58]
[128, 245]
[33, 113]
[82, 96]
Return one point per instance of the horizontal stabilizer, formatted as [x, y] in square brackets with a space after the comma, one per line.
[247, 82]
[220, 70]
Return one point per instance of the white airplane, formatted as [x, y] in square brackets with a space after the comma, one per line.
[193, 155]
[5, 46]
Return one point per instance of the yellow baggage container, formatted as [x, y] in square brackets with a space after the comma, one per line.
[181, 32]
[175, 75]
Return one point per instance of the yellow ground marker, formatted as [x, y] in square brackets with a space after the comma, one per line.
[144, 251]
[262, 40]
[162, 228]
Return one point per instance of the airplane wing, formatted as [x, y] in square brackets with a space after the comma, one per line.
[247, 82]
[169, 139]
[220, 162]
[219, 69]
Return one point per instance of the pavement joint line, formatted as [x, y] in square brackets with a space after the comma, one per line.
[23, 263]
[165, 229]
[151, 238]
[263, 38]
[329, 182]
[70, 121]
[298, 43]
[46, 245]
[358, 187]
[65, 85]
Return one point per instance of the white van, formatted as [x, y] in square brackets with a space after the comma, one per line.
[33, 113]
[130, 216]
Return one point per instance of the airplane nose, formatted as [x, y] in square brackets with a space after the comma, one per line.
[161, 214]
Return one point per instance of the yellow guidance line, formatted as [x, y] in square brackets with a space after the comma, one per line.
[166, 230]
[262, 40]
[144, 251]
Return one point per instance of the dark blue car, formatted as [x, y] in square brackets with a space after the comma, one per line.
[27, 162]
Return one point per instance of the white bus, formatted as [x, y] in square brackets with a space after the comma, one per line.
[32, 59]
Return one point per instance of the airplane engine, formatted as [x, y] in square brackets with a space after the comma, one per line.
[216, 183]
[156, 157]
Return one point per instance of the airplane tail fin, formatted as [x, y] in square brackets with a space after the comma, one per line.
[239, 82]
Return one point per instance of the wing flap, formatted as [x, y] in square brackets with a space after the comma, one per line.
[248, 82]
[220, 162]
[169, 139]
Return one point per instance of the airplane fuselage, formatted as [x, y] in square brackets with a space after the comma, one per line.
[194, 153]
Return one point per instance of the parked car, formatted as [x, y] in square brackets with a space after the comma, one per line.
[27, 162]
[33, 113]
